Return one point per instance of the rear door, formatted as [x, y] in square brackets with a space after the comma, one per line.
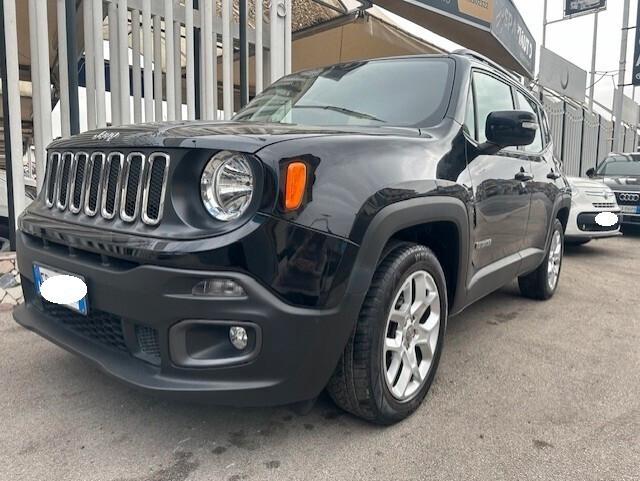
[500, 192]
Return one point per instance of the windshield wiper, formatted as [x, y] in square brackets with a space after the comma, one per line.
[342, 110]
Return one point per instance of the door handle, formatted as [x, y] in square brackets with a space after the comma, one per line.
[553, 176]
[523, 177]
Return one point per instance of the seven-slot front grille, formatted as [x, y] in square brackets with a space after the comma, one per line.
[108, 184]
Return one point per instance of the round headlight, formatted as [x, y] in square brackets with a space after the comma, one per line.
[227, 185]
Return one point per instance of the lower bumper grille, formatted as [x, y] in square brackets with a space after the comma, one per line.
[107, 330]
[587, 223]
[148, 341]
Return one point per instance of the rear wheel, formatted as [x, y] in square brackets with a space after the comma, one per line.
[542, 283]
[390, 360]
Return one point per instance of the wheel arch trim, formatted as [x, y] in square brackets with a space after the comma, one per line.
[403, 215]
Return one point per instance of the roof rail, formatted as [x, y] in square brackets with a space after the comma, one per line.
[478, 56]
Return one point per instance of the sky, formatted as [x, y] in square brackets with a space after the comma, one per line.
[573, 39]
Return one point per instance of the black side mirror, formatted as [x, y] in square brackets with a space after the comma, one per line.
[591, 172]
[509, 128]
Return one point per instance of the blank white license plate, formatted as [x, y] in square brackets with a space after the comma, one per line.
[630, 209]
[41, 274]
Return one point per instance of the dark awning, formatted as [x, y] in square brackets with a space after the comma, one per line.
[494, 28]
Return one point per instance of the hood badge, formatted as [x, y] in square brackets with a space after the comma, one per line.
[106, 135]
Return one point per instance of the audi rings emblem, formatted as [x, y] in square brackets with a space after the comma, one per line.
[629, 197]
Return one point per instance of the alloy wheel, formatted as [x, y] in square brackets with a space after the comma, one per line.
[411, 335]
[555, 260]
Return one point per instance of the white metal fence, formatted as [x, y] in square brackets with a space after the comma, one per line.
[144, 60]
[582, 138]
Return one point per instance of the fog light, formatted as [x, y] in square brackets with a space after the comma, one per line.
[238, 337]
[218, 288]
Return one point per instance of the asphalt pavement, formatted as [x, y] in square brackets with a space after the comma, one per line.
[525, 391]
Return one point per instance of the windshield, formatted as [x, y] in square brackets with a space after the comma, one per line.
[411, 92]
[620, 165]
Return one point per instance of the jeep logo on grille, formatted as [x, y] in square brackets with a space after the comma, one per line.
[106, 136]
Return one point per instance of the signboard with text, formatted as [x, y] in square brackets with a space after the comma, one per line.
[579, 7]
[499, 18]
[512, 32]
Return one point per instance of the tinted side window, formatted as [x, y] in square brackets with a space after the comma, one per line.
[491, 95]
[525, 104]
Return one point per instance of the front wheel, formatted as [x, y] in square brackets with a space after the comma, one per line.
[391, 358]
[542, 283]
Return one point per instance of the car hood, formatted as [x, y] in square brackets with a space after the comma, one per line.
[581, 183]
[244, 136]
[622, 183]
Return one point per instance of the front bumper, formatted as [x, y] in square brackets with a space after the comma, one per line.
[631, 219]
[292, 359]
[582, 225]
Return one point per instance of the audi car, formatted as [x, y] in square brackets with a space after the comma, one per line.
[621, 172]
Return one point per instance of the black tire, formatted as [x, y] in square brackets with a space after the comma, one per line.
[535, 285]
[358, 385]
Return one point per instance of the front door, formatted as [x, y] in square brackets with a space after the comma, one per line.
[500, 182]
[545, 185]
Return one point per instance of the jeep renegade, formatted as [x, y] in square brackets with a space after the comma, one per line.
[320, 239]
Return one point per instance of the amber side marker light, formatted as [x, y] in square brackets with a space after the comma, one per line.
[295, 185]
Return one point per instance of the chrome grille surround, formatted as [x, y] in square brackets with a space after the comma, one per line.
[146, 194]
[126, 188]
[65, 165]
[94, 179]
[79, 164]
[51, 179]
[112, 185]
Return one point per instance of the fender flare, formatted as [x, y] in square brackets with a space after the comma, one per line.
[562, 201]
[402, 215]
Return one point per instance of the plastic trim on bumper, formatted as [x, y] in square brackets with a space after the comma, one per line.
[299, 350]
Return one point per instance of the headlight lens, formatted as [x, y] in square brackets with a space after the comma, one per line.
[227, 185]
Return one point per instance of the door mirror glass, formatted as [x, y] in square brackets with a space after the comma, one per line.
[591, 172]
[511, 128]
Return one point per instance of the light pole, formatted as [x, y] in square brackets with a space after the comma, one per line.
[592, 84]
[619, 97]
[544, 24]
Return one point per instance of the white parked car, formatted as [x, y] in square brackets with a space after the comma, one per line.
[589, 199]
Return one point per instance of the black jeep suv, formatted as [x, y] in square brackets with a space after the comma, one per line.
[321, 239]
